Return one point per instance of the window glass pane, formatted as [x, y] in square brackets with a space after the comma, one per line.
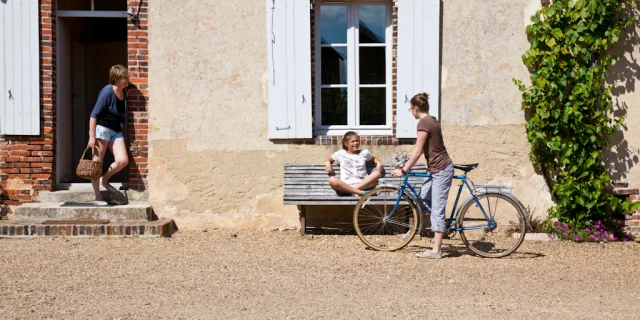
[372, 23]
[74, 5]
[334, 106]
[333, 27]
[111, 5]
[373, 102]
[372, 65]
[334, 65]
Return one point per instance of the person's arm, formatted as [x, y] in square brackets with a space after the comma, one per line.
[417, 152]
[101, 104]
[327, 165]
[378, 164]
[93, 122]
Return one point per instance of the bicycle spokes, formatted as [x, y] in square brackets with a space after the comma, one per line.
[382, 222]
[496, 228]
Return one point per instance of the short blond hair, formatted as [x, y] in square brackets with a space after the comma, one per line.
[117, 73]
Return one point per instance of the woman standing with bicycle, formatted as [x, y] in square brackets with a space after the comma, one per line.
[435, 190]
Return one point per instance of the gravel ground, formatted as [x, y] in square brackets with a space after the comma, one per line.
[245, 274]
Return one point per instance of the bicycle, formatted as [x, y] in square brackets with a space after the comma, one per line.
[387, 218]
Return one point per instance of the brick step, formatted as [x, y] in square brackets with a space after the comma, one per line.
[122, 228]
[77, 210]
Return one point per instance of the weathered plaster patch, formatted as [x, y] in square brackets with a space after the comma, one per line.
[477, 90]
[17, 184]
[167, 187]
[530, 10]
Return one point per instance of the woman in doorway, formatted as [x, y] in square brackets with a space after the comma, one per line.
[105, 128]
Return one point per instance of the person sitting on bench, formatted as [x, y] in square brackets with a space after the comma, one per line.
[353, 167]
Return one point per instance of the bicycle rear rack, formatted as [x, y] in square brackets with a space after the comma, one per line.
[488, 188]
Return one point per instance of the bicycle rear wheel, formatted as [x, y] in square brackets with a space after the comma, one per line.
[494, 239]
[379, 226]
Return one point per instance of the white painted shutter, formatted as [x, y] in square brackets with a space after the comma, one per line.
[289, 67]
[20, 66]
[418, 60]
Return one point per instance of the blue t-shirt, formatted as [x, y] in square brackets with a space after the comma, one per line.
[109, 110]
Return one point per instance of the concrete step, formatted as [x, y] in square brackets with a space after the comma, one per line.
[79, 196]
[84, 193]
[78, 210]
[128, 228]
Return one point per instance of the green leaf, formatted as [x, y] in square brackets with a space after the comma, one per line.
[550, 42]
[557, 33]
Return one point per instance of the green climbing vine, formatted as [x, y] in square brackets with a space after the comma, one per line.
[569, 106]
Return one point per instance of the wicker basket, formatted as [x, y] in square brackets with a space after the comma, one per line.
[89, 169]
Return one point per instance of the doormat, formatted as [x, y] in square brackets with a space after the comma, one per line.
[78, 221]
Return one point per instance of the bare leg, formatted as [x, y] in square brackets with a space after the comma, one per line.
[119, 150]
[340, 185]
[370, 182]
[95, 183]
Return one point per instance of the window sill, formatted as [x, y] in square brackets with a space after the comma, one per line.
[360, 132]
[336, 140]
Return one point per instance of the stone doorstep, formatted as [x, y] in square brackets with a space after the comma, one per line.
[87, 195]
[124, 228]
[67, 210]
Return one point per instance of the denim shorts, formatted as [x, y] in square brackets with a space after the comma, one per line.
[107, 134]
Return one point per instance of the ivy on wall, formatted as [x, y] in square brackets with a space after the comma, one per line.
[569, 107]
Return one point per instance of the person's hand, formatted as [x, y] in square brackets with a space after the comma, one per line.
[396, 173]
[92, 143]
[329, 168]
[380, 169]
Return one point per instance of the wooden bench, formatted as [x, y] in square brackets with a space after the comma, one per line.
[308, 185]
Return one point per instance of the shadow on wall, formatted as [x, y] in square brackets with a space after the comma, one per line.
[619, 158]
[134, 145]
[4, 210]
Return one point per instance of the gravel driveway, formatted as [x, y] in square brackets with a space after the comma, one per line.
[224, 274]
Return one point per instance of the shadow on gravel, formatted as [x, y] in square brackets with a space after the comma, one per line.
[450, 251]
[454, 251]
[330, 232]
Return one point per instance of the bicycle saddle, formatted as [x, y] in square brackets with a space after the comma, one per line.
[466, 167]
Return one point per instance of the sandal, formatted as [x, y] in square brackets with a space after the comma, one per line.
[108, 186]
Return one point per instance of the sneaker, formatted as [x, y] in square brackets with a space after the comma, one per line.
[430, 255]
[405, 236]
[100, 203]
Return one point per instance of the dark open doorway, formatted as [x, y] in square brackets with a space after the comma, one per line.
[87, 48]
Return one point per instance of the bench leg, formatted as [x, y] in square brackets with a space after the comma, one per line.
[303, 222]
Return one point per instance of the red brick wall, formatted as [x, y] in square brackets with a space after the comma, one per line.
[138, 95]
[27, 162]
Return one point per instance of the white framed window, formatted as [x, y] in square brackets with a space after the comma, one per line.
[353, 79]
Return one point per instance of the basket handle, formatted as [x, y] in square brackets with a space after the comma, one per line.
[87, 148]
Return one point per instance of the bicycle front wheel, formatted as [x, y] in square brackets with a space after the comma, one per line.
[381, 227]
[496, 232]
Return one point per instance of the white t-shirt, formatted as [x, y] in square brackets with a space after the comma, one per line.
[353, 167]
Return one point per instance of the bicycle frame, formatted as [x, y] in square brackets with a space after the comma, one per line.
[463, 182]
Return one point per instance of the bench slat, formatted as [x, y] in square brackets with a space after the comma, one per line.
[326, 185]
[307, 184]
